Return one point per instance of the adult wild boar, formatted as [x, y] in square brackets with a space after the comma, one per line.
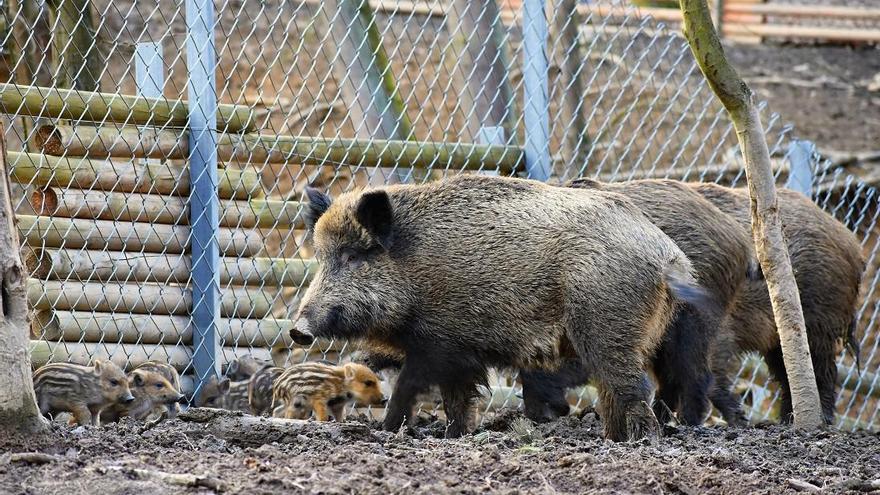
[722, 256]
[828, 266]
[475, 272]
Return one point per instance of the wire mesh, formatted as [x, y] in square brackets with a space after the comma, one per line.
[338, 94]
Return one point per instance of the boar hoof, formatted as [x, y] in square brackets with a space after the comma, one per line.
[641, 423]
[455, 430]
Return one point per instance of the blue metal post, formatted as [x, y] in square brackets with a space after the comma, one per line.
[536, 93]
[800, 167]
[149, 75]
[491, 135]
[149, 69]
[203, 201]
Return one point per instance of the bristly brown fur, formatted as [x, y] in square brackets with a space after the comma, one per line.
[828, 267]
[154, 395]
[475, 272]
[722, 255]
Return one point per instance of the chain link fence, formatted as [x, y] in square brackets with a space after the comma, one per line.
[160, 148]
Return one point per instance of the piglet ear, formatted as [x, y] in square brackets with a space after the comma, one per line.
[317, 205]
[374, 213]
[97, 366]
[138, 379]
[223, 386]
[349, 371]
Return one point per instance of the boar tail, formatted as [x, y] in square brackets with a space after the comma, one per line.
[853, 345]
[685, 288]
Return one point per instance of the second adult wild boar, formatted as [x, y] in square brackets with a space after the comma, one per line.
[828, 266]
[475, 272]
[722, 256]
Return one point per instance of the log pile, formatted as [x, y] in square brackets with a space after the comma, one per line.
[108, 236]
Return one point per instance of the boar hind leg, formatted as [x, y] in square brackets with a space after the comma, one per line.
[410, 382]
[824, 356]
[777, 368]
[683, 368]
[82, 415]
[623, 405]
[726, 401]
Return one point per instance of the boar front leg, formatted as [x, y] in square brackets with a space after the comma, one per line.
[458, 399]
[321, 410]
[543, 396]
[410, 382]
[338, 412]
[683, 368]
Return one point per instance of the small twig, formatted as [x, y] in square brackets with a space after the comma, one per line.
[191, 446]
[822, 82]
[803, 486]
[855, 484]
[190, 480]
[30, 458]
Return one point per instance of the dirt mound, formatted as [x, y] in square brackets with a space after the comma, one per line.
[209, 451]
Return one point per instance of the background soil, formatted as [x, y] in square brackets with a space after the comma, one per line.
[831, 94]
[507, 455]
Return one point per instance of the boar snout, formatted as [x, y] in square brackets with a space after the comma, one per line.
[128, 399]
[300, 333]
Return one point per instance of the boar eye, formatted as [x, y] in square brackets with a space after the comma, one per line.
[369, 383]
[114, 382]
[352, 258]
[158, 385]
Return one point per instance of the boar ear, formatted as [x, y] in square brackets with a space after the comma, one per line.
[138, 379]
[318, 204]
[232, 368]
[349, 371]
[374, 213]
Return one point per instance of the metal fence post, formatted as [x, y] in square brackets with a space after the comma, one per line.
[535, 90]
[203, 199]
[800, 167]
[149, 73]
[149, 69]
[491, 135]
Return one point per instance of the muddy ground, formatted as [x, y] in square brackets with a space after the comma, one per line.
[831, 94]
[228, 452]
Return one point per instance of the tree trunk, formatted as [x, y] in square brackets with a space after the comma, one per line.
[74, 51]
[571, 127]
[374, 104]
[18, 405]
[770, 245]
[478, 66]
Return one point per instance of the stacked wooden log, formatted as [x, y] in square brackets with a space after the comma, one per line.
[110, 262]
[109, 238]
